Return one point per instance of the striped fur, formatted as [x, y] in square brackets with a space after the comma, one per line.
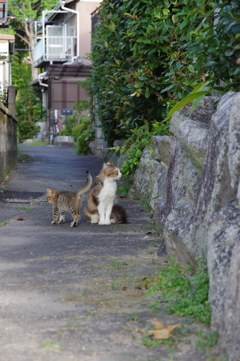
[67, 201]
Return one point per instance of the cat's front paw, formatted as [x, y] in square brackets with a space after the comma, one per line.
[54, 222]
[104, 222]
[61, 221]
[73, 224]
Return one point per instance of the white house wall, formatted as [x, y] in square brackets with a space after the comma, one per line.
[5, 65]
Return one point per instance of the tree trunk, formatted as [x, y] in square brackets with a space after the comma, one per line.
[29, 30]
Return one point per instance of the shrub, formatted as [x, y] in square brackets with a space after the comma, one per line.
[141, 68]
[64, 132]
[27, 130]
[77, 131]
[84, 139]
[148, 55]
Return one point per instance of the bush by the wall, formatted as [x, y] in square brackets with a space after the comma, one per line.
[140, 64]
[149, 54]
[27, 130]
[78, 130]
[83, 140]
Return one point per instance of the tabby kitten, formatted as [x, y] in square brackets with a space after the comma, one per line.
[101, 198]
[67, 201]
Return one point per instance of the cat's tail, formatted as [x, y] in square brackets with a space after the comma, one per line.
[86, 186]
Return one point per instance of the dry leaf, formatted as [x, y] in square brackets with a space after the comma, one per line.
[137, 330]
[158, 325]
[171, 328]
[181, 269]
[160, 334]
[124, 288]
[203, 77]
[161, 331]
[138, 287]
[21, 219]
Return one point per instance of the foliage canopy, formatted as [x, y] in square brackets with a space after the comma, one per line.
[149, 54]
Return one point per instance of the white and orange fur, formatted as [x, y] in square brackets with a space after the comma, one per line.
[101, 207]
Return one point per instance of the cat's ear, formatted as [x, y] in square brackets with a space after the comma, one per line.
[49, 191]
[107, 165]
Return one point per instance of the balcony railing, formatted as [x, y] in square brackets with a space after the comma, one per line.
[55, 48]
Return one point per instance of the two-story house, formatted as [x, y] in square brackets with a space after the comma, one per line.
[63, 40]
[6, 52]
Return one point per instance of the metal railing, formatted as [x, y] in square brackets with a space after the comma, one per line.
[55, 48]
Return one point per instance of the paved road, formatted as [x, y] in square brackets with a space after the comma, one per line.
[70, 293]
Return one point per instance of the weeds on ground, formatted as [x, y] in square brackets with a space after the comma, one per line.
[183, 291]
[116, 264]
[124, 189]
[204, 340]
[85, 292]
[4, 223]
[49, 344]
[26, 209]
[146, 205]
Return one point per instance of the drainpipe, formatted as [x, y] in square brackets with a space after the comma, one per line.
[40, 78]
[78, 24]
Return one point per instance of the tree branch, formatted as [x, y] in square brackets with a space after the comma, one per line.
[21, 37]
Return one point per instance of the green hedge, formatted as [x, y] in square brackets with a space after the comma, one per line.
[149, 54]
[78, 130]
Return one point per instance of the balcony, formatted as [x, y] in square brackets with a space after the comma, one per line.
[55, 46]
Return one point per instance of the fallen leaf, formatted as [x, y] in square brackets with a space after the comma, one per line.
[181, 269]
[122, 196]
[21, 219]
[171, 328]
[138, 287]
[158, 325]
[137, 330]
[160, 334]
[124, 288]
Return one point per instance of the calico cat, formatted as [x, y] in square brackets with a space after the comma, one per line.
[101, 207]
[67, 201]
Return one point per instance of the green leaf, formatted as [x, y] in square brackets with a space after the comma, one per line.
[188, 99]
[165, 11]
[191, 68]
[130, 15]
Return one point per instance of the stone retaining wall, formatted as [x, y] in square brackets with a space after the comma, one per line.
[192, 180]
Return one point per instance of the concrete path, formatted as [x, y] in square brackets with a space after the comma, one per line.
[73, 293]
